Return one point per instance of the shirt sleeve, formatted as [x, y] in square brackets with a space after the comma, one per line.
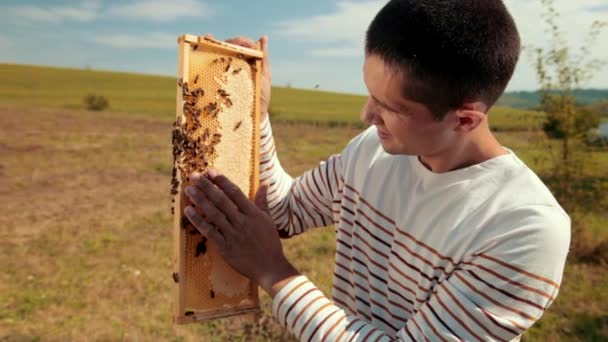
[301, 203]
[495, 296]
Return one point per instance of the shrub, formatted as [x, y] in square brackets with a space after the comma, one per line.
[96, 102]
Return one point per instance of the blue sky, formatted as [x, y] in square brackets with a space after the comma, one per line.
[311, 42]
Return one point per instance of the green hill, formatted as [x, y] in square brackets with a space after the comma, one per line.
[137, 94]
[531, 99]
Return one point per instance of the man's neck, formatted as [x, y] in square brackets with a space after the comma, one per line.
[481, 147]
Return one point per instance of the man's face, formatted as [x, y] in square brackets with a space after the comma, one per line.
[404, 126]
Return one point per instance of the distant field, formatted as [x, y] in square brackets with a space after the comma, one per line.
[136, 94]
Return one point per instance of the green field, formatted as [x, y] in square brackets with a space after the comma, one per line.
[135, 94]
[84, 205]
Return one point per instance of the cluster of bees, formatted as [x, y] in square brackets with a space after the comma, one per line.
[191, 150]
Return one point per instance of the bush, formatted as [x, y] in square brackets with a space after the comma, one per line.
[96, 102]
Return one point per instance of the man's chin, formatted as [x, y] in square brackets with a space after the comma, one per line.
[394, 150]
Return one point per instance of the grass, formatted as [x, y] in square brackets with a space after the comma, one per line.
[86, 245]
[87, 252]
[154, 96]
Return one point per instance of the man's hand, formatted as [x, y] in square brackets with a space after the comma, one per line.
[243, 232]
[266, 75]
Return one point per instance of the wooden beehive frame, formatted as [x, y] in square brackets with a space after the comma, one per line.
[186, 44]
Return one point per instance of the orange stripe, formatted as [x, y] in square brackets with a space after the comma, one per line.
[304, 281]
[521, 313]
[513, 282]
[377, 225]
[303, 207]
[306, 189]
[419, 328]
[332, 329]
[504, 292]
[471, 316]
[311, 318]
[304, 309]
[498, 324]
[408, 278]
[323, 322]
[363, 288]
[339, 338]
[517, 269]
[377, 251]
[373, 330]
[296, 302]
[428, 323]
[463, 324]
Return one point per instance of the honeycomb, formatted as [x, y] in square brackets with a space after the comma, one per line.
[219, 118]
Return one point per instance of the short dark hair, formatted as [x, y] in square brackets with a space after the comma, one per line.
[452, 51]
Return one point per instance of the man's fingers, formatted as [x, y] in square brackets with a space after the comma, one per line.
[205, 227]
[212, 213]
[260, 197]
[219, 199]
[231, 190]
[242, 41]
[265, 63]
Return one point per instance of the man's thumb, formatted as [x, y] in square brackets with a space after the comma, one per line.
[260, 197]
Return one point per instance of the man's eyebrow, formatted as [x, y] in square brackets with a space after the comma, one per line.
[384, 104]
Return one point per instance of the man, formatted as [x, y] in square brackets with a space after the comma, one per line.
[442, 233]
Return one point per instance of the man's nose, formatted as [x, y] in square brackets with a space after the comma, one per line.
[369, 114]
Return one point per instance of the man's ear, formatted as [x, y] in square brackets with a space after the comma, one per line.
[470, 116]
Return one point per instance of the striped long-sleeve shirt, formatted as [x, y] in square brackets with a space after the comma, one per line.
[475, 254]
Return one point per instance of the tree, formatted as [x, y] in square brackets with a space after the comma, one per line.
[559, 72]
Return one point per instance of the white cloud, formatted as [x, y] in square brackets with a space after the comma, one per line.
[575, 21]
[341, 33]
[86, 11]
[344, 30]
[154, 40]
[159, 10]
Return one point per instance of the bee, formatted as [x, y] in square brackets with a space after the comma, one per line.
[212, 109]
[180, 83]
[196, 79]
[227, 67]
[201, 247]
[189, 313]
[241, 56]
[238, 124]
[175, 277]
[212, 294]
[195, 47]
[206, 134]
[234, 72]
